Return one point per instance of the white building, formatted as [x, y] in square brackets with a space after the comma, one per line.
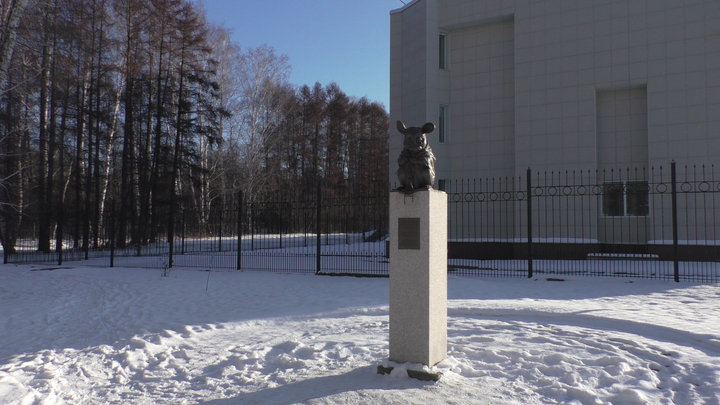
[559, 85]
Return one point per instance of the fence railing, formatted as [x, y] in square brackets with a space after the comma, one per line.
[320, 234]
[651, 223]
[661, 223]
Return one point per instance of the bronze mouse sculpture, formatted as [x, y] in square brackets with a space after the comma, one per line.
[416, 161]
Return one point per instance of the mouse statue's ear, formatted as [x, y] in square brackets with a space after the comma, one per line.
[401, 127]
[428, 127]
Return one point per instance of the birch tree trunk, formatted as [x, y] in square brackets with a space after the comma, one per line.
[11, 12]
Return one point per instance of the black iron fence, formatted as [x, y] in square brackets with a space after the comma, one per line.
[661, 223]
[654, 223]
[320, 234]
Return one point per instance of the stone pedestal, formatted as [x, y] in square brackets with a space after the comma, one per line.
[418, 277]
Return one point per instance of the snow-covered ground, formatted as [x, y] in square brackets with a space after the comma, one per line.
[83, 335]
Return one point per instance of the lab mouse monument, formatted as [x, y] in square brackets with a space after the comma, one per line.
[416, 161]
[418, 255]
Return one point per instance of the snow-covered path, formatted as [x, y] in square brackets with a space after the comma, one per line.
[97, 335]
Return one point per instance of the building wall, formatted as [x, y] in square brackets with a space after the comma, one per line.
[622, 131]
[412, 33]
[537, 105]
[565, 86]
[481, 126]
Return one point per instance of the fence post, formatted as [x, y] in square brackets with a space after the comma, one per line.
[673, 193]
[140, 231]
[220, 230]
[59, 232]
[112, 233]
[182, 232]
[318, 227]
[171, 235]
[529, 222]
[239, 229]
[280, 224]
[86, 228]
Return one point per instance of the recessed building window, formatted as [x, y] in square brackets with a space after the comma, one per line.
[442, 124]
[443, 54]
[443, 185]
[625, 198]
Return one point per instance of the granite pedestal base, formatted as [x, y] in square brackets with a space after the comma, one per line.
[418, 277]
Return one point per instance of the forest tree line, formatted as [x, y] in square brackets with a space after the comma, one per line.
[145, 105]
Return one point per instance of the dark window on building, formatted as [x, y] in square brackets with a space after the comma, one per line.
[443, 56]
[636, 198]
[442, 124]
[443, 185]
[625, 198]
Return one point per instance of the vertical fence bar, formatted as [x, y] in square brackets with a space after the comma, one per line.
[182, 232]
[141, 236]
[305, 226]
[318, 228]
[673, 191]
[86, 228]
[220, 230]
[328, 224]
[529, 221]
[171, 235]
[239, 229]
[59, 236]
[364, 226]
[112, 233]
[59, 233]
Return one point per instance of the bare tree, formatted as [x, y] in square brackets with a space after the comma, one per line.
[263, 79]
[218, 166]
[11, 13]
[144, 103]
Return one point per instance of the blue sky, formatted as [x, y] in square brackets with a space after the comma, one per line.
[345, 41]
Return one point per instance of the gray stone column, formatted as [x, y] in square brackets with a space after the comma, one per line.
[418, 277]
